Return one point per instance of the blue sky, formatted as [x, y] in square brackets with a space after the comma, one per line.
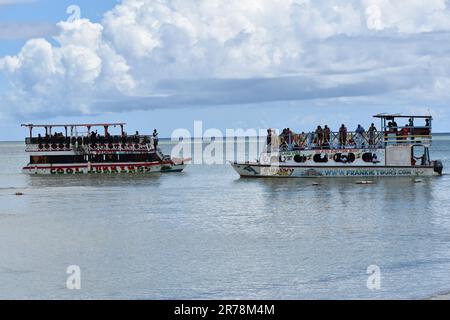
[45, 12]
[232, 64]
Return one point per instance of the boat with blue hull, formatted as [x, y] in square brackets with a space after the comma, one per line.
[392, 151]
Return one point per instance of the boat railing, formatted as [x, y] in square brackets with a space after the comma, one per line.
[321, 141]
[347, 140]
[88, 144]
[87, 140]
[408, 135]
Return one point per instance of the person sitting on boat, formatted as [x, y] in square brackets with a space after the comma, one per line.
[327, 135]
[394, 126]
[404, 132]
[372, 132]
[155, 139]
[351, 139]
[389, 127]
[319, 136]
[391, 133]
[343, 136]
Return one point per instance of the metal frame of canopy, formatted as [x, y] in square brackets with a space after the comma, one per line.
[49, 127]
[384, 117]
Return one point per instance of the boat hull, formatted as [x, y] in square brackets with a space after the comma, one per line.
[255, 170]
[129, 168]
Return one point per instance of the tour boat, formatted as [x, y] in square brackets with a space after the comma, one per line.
[80, 150]
[393, 150]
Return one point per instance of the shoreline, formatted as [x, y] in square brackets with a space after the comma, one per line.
[440, 296]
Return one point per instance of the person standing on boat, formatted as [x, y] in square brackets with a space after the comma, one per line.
[155, 139]
[302, 140]
[327, 136]
[372, 131]
[290, 136]
[360, 135]
[319, 136]
[310, 138]
[342, 136]
[427, 130]
[269, 138]
[360, 129]
[411, 127]
[93, 137]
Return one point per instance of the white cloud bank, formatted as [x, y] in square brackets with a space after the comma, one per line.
[171, 53]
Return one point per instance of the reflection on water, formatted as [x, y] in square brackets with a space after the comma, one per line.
[206, 233]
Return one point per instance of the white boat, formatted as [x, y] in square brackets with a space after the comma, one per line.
[76, 152]
[392, 151]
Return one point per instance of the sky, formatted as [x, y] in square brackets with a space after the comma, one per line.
[232, 64]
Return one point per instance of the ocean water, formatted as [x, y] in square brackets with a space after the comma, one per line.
[207, 234]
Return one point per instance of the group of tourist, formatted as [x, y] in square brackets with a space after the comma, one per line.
[93, 138]
[323, 137]
[402, 133]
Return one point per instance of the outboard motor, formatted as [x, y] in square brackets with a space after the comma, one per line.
[438, 167]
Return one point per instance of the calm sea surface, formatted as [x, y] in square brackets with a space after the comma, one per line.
[206, 234]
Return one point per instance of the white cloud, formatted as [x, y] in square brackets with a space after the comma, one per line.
[65, 78]
[161, 53]
[408, 16]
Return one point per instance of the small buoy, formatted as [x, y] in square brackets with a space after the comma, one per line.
[364, 182]
[19, 194]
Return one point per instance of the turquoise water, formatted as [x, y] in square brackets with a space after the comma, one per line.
[206, 234]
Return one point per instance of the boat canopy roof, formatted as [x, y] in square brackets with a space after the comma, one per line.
[391, 116]
[73, 125]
